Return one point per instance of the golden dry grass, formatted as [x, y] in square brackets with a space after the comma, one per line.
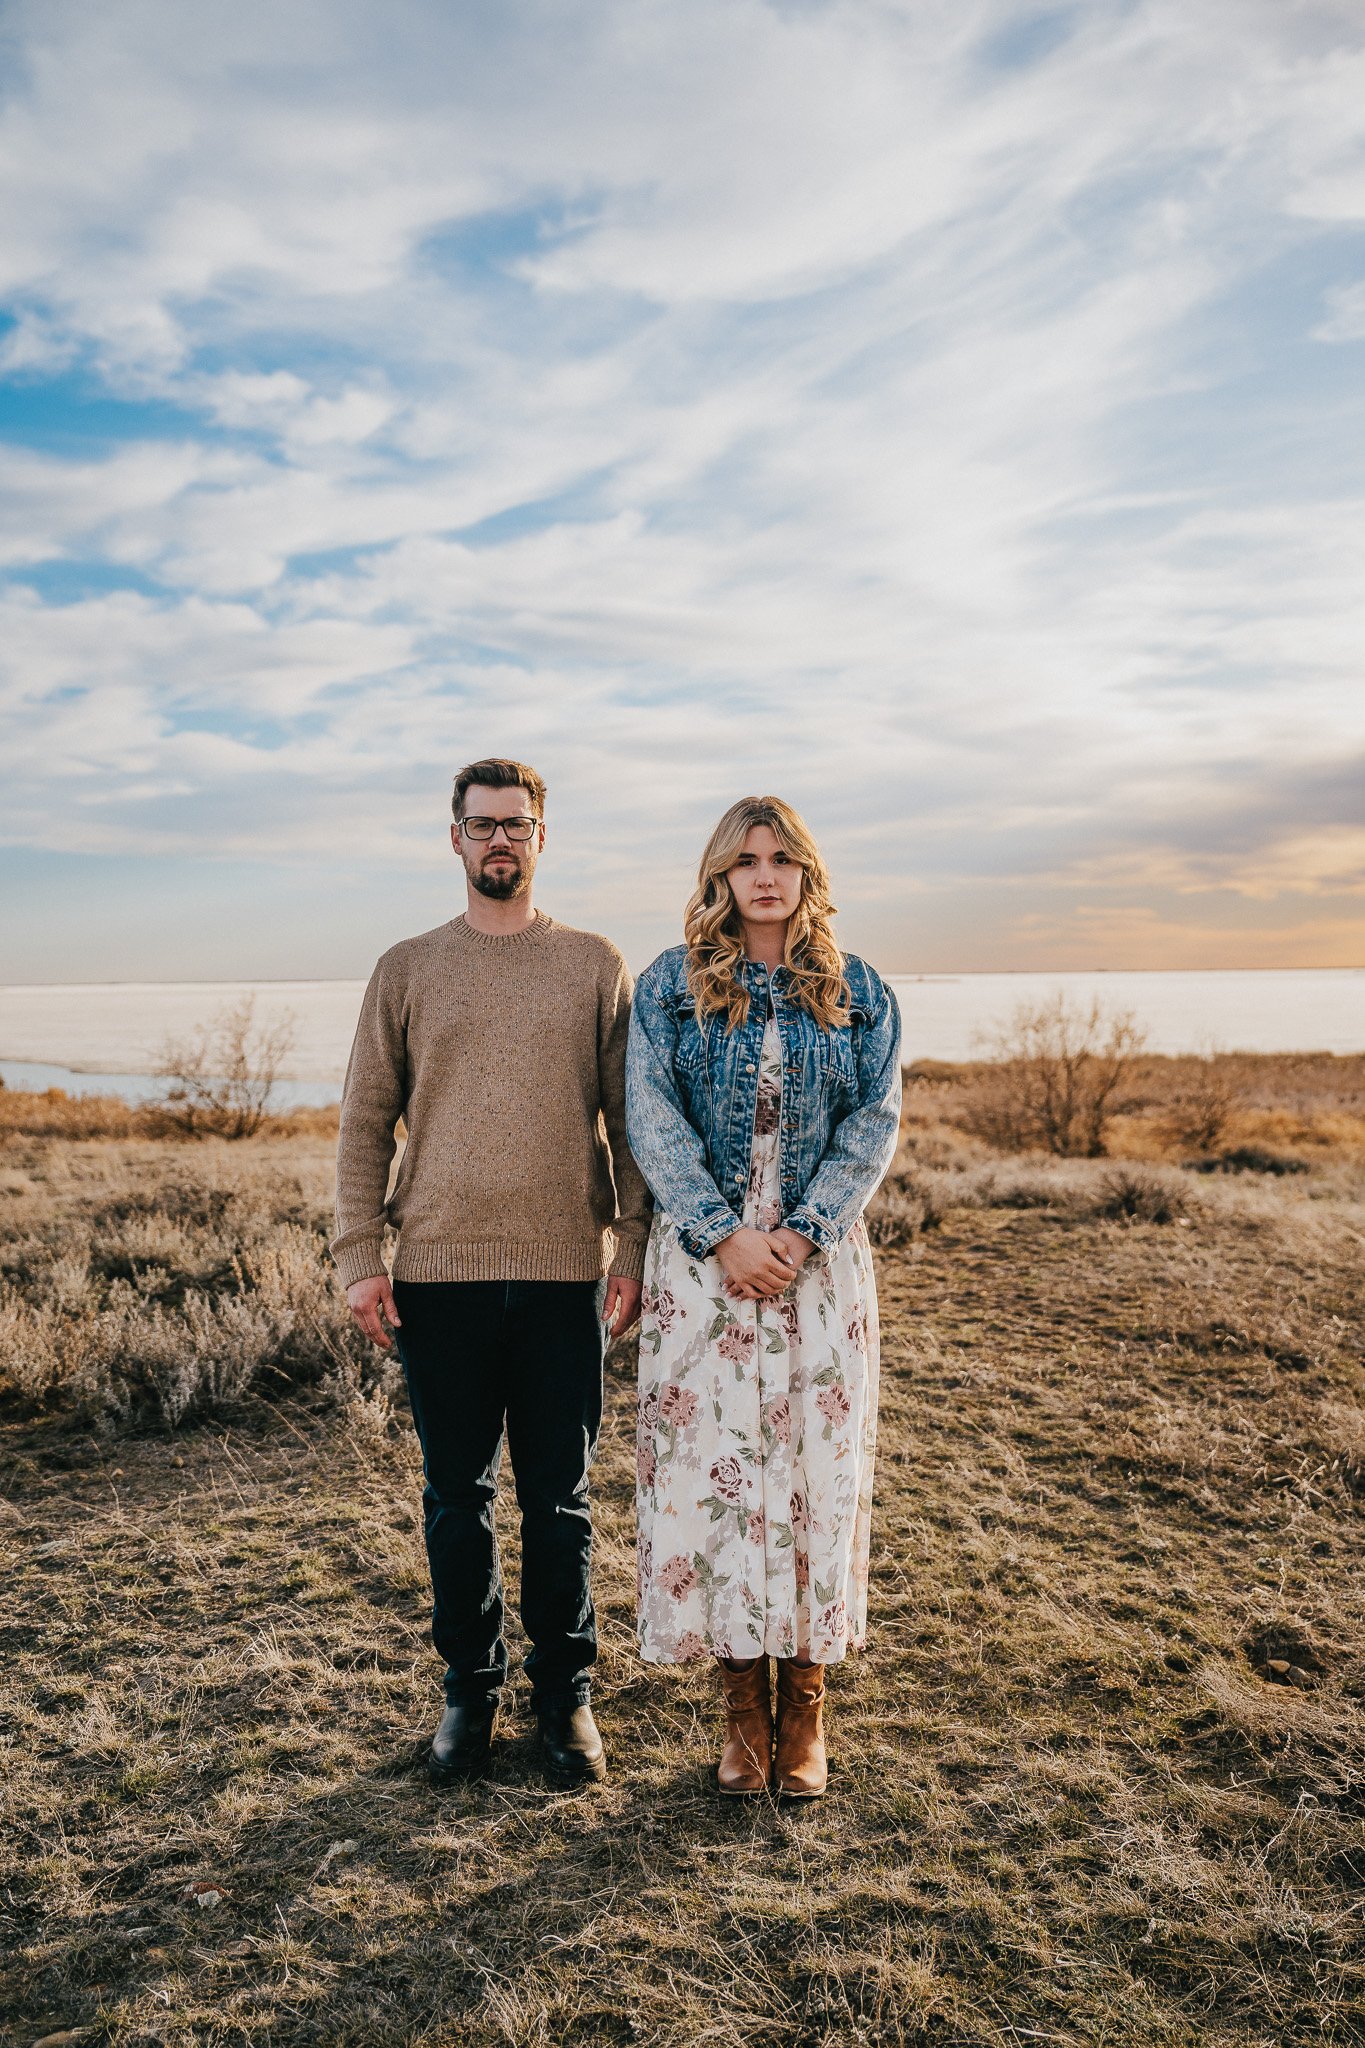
[1299, 1106]
[1099, 1779]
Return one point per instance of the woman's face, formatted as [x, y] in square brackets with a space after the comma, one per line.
[765, 881]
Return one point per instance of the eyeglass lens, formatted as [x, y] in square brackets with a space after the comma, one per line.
[484, 828]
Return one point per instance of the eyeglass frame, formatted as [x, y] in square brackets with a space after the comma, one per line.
[524, 839]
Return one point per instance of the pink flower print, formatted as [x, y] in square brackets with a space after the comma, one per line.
[678, 1577]
[690, 1645]
[665, 1308]
[798, 1511]
[834, 1404]
[802, 1567]
[756, 1526]
[857, 1329]
[649, 1414]
[646, 1464]
[780, 1419]
[832, 1621]
[785, 1310]
[768, 1111]
[769, 1215]
[727, 1477]
[677, 1405]
[737, 1342]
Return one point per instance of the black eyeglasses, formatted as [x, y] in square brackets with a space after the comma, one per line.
[517, 829]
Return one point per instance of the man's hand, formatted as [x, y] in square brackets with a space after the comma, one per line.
[754, 1269]
[371, 1303]
[621, 1309]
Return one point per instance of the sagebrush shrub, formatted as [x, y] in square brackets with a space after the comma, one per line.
[170, 1293]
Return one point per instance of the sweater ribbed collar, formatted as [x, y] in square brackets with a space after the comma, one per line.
[499, 942]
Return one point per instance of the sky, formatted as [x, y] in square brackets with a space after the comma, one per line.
[946, 414]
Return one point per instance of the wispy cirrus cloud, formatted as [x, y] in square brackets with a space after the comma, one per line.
[944, 415]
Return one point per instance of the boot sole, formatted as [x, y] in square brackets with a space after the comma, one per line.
[567, 1777]
[457, 1774]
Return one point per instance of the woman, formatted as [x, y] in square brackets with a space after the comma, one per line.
[762, 1105]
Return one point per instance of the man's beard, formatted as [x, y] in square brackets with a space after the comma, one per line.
[501, 886]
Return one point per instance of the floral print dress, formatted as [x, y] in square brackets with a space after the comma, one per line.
[757, 1426]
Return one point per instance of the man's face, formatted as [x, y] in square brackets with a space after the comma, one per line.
[499, 866]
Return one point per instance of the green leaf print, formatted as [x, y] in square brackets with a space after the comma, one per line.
[782, 1531]
[707, 1572]
[773, 1340]
[824, 1594]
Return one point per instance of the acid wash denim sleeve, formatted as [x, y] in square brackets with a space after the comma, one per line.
[667, 1146]
[692, 1088]
[862, 1144]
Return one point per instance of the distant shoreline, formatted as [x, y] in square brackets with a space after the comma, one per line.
[920, 976]
[111, 1035]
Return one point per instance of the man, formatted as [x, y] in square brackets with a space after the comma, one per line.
[500, 1039]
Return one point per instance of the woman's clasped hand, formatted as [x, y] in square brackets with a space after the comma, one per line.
[760, 1264]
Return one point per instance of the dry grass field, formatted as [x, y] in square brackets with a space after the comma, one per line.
[1100, 1778]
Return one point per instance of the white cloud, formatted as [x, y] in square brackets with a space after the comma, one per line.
[803, 378]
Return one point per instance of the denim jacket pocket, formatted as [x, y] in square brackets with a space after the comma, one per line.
[690, 1056]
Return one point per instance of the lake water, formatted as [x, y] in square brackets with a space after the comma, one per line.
[104, 1036]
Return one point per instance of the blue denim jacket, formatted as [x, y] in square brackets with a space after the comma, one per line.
[692, 1088]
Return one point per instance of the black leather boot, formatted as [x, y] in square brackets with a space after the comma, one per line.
[461, 1745]
[570, 1746]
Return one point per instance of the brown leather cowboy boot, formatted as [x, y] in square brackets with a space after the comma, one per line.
[746, 1760]
[800, 1770]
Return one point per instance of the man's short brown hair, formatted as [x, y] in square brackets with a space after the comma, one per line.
[495, 774]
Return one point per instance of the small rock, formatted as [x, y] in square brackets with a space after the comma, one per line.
[1298, 1676]
[336, 1849]
[1279, 1665]
[205, 1892]
[237, 1949]
[177, 1459]
[63, 2038]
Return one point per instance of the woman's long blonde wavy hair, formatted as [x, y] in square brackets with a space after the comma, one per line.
[714, 932]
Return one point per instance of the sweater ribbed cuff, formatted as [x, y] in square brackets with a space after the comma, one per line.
[628, 1259]
[362, 1261]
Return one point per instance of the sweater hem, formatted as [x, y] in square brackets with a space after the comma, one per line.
[499, 1261]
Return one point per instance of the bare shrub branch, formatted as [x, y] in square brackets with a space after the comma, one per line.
[1051, 1077]
[220, 1079]
[1207, 1101]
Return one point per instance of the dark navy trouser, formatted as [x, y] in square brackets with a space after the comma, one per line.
[522, 1356]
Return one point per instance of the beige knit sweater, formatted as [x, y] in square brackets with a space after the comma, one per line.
[506, 1057]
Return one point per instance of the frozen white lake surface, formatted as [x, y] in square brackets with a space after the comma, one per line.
[106, 1035]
